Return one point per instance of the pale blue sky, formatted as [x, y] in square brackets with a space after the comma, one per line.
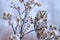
[51, 6]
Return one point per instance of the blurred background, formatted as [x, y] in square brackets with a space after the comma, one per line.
[52, 7]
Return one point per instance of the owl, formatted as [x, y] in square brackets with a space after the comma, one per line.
[40, 23]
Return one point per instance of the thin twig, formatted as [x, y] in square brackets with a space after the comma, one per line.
[29, 32]
[13, 29]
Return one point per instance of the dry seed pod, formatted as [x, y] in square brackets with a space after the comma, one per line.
[13, 37]
[52, 26]
[52, 34]
[9, 22]
[32, 21]
[9, 16]
[22, 34]
[18, 8]
[21, 1]
[38, 4]
[31, 1]
[11, 6]
[4, 15]
[27, 5]
[17, 19]
[59, 30]
[11, 2]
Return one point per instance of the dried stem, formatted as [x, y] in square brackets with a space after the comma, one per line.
[13, 29]
[29, 32]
